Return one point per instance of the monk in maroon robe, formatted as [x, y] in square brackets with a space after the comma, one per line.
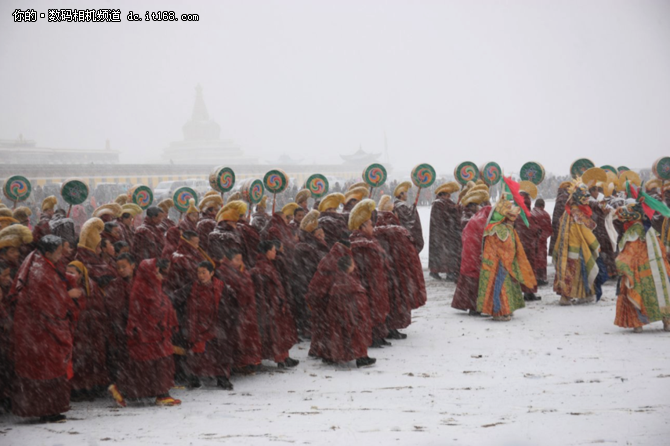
[317, 296]
[276, 325]
[250, 239]
[543, 221]
[149, 237]
[559, 208]
[372, 267]
[209, 208]
[347, 329]
[117, 300]
[89, 354]
[408, 215]
[172, 239]
[260, 218]
[334, 225]
[240, 287]
[210, 340]
[6, 360]
[308, 253]
[42, 334]
[465, 297]
[280, 230]
[151, 324]
[528, 235]
[444, 243]
[42, 228]
[407, 288]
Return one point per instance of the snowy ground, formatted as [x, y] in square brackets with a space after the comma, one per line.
[552, 376]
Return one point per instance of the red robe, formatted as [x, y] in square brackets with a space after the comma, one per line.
[225, 237]
[306, 257]
[127, 233]
[465, 297]
[528, 235]
[444, 243]
[151, 323]
[99, 271]
[200, 329]
[407, 288]
[89, 355]
[166, 224]
[41, 229]
[117, 299]
[251, 239]
[276, 325]
[205, 227]
[172, 238]
[347, 330]
[409, 218]
[247, 351]
[334, 225]
[278, 229]
[149, 242]
[42, 333]
[187, 225]
[317, 297]
[372, 266]
[545, 230]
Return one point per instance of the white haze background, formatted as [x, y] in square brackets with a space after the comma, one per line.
[508, 81]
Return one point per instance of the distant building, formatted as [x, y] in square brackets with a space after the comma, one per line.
[361, 158]
[25, 151]
[201, 144]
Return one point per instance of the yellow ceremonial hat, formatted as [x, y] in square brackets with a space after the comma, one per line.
[15, 236]
[631, 176]
[121, 199]
[311, 221]
[359, 184]
[529, 188]
[448, 188]
[132, 209]
[90, 233]
[331, 201]
[289, 208]
[357, 193]
[232, 211]
[303, 195]
[192, 209]
[113, 209]
[593, 175]
[235, 196]
[49, 203]
[210, 201]
[402, 187]
[652, 184]
[386, 204]
[6, 212]
[166, 204]
[361, 213]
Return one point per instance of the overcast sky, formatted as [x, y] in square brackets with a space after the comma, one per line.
[446, 81]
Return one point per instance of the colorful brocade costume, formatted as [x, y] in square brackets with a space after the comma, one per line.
[504, 265]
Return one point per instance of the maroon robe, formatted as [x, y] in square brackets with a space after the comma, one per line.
[528, 235]
[334, 226]
[172, 238]
[306, 257]
[278, 229]
[407, 288]
[185, 224]
[99, 271]
[42, 333]
[372, 267]
[275, 321]
[559, 208]
[409, 218]
[444, 243]
[260, 220]
[545, 230]
[41, 229]
[225, 237]
[247, 351]
[89, 354]
[467, 287]
[166, 224]
[151, 323]
[117, 299]
[317, 297]
[207, 356]
[149, 242]
[205, 227]
[251, 239]
[127, 233]
[347, 329]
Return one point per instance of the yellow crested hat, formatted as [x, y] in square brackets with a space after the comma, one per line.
[361, 213]
[402, 187]
[121, 199]
[357, 193]
[359, 184]
[385, 204]
[132, 209]
[232, 211]
[22, 213]
[7, 221]
[15, 236]
[49, 203]
[166, 204]
[6, 212]
[331, 201]
[289, 208]
[211, 193]
[113, 209]
[529, 188]
[235, 196]
[448, 188]
[192, 208]
[302, 195]
[631, 176]
[90, 233]
[653, 184]
[593, 175]
[311, 221]
[210, 201]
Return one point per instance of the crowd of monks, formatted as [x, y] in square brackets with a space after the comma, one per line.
[134, 301]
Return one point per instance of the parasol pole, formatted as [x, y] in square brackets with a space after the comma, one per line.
[68, 211]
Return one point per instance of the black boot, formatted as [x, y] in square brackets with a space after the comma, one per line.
[435, 276]
[377, 343]
[290, 362]
[224, 383]
[194, 382]
[395, 334]
[363, 362]
[385, 343]
[58, 418]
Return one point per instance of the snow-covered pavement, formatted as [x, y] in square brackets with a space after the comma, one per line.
[552, 376]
